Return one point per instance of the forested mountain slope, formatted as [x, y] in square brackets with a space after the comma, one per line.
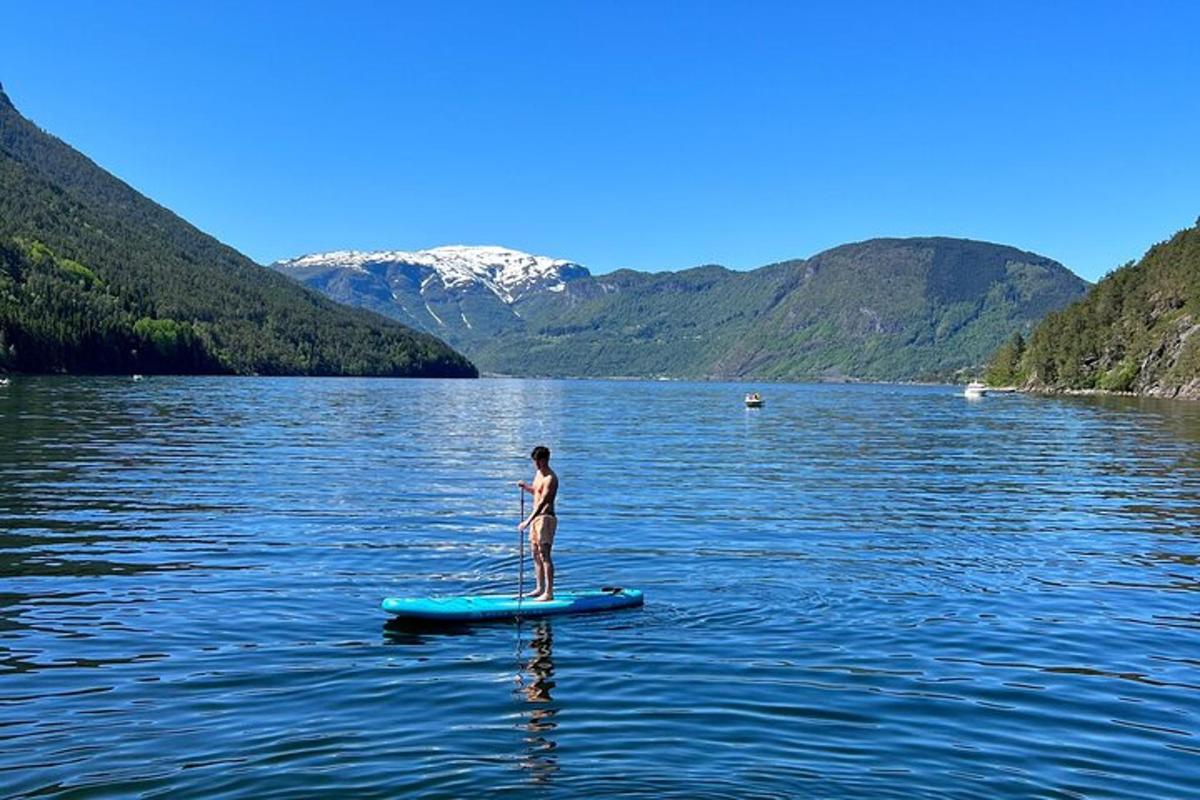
[1137, 330]
[94, 277]
[889, 309]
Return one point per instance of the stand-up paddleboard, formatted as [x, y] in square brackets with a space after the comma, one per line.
[471, 608]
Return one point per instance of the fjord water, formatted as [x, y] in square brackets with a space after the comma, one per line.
[856, 591]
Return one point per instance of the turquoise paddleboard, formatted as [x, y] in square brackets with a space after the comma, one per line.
[507, 606]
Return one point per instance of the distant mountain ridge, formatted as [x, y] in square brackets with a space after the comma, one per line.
[889, 309]
[95, 277]
[507, 273]
[447, 291]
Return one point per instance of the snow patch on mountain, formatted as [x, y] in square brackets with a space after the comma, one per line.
[506, 273]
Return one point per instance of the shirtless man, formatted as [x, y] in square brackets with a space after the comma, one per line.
[542, 522]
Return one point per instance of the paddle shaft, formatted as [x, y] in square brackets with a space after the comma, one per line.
[521, 547]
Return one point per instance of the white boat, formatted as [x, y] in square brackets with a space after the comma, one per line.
[754, 400]
[975, 389]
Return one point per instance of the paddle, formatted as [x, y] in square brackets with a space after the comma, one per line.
[521, 547]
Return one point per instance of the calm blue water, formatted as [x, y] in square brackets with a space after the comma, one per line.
[856, 591]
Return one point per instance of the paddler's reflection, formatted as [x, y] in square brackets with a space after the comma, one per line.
[536, 682]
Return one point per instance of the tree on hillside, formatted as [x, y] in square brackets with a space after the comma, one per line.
[1005, 367]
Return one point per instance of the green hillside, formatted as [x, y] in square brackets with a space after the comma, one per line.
[94, 277]
[905, 308]
[885, 309]
[1135, 331]
[676, 323]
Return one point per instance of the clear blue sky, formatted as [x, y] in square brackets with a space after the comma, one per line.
[655, 135]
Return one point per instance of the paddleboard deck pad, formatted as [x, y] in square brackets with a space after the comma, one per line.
[470, 608]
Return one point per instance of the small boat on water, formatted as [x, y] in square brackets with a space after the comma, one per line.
[754, 400]
[975, 389]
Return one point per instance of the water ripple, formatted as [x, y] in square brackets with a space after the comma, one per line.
[856, 591]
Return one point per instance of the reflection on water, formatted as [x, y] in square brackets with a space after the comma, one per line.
[534, 679]
[535, 682]
[855, 591]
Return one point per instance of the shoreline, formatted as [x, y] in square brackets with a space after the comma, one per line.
[1050, 392]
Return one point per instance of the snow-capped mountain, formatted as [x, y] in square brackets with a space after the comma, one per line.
[894, 309]
[508, 274]
[460, 294]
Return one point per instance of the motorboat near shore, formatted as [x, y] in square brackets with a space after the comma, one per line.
[975, 389]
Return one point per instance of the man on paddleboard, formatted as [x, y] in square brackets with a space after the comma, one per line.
[542, 522]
